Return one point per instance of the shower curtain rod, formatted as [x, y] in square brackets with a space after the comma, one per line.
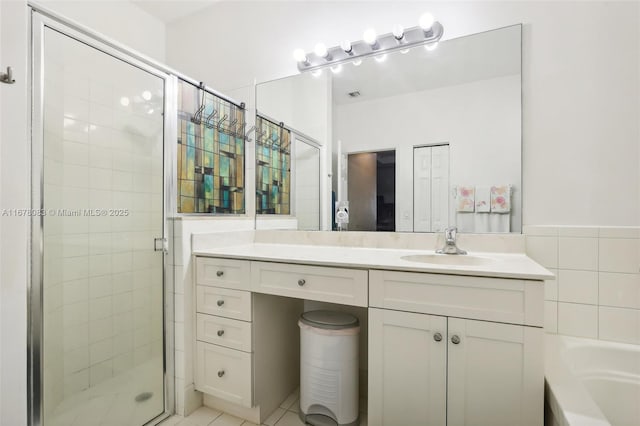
[37, 7]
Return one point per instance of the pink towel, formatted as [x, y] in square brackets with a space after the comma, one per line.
[465, 196]
[501, 199]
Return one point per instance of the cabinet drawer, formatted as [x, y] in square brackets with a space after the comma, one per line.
[491, 299]
[226, 332]
[223, 302]
[227, 273]
[337, 285]
[224, 373]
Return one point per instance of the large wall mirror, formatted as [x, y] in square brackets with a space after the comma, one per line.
[415, 140]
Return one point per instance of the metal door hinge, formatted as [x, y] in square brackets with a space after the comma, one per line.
[160, 244]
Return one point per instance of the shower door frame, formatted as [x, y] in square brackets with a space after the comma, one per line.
[42, 18]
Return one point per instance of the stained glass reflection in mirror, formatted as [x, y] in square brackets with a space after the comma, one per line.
[273, 167]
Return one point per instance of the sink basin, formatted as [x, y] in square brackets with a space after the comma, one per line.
[448, 259]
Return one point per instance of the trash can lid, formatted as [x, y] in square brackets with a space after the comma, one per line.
[331, 320]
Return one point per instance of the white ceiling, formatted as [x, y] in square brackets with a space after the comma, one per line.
[171, 10]
[462, 60]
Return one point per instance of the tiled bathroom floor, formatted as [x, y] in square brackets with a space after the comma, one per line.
[286, 415]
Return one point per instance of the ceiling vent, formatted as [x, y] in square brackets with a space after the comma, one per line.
[354, 94]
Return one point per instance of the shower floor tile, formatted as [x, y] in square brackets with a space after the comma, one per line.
[113, 402]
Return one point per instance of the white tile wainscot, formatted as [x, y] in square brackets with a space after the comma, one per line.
[465, 325]
[597, 291]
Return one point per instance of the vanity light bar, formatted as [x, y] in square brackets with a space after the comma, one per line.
[378, 45]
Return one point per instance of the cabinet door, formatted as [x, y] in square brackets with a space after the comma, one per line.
[495, 374]
[407, 368]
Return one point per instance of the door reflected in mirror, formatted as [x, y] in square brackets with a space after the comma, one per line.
[371, 183]
[450, 116]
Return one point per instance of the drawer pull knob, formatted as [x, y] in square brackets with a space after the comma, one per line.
[220, 273]
[220, 333]
[220, 302]
[437, 337]
[220, 373]
[455, 339]
[301, 282]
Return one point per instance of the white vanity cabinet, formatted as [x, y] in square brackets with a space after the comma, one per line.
[464, 370]
[247, 344]
[223, 330]
[443, 350]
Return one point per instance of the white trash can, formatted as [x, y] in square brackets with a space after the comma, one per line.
[328, 368]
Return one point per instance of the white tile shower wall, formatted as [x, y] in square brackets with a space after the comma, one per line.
[596, 293]
[101, 277]
[187, 398]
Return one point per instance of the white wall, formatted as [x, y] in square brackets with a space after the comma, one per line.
[14, 193]
[1, 351]
[121, 21]
[479, 120]
[580, 126]
[302, 103]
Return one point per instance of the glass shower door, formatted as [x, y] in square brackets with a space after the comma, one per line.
[102, 189]
[307, 184]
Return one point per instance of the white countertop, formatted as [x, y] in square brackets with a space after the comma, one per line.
[499, 265]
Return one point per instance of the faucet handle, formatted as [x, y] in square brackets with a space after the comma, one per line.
[450, 233]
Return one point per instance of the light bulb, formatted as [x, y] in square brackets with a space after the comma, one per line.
[124, 101]
[299, 55]
[316, 73]
[370, 37]
[336, 69]
[346, 46]
[398, 32]
[431, 46]
[381, 58]
[146, 95]
[357, 62]
[426, 21]
[321, 50]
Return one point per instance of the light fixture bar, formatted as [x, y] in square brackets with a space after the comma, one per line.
[385, 43]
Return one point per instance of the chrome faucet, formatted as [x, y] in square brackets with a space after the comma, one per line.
[450, 246]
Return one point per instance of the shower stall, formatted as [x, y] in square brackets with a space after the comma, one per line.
[103, 129]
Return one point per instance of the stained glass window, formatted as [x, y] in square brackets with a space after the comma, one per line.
[273, 168]
[210, 153]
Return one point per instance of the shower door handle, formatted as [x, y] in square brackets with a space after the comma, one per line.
[160, 244]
